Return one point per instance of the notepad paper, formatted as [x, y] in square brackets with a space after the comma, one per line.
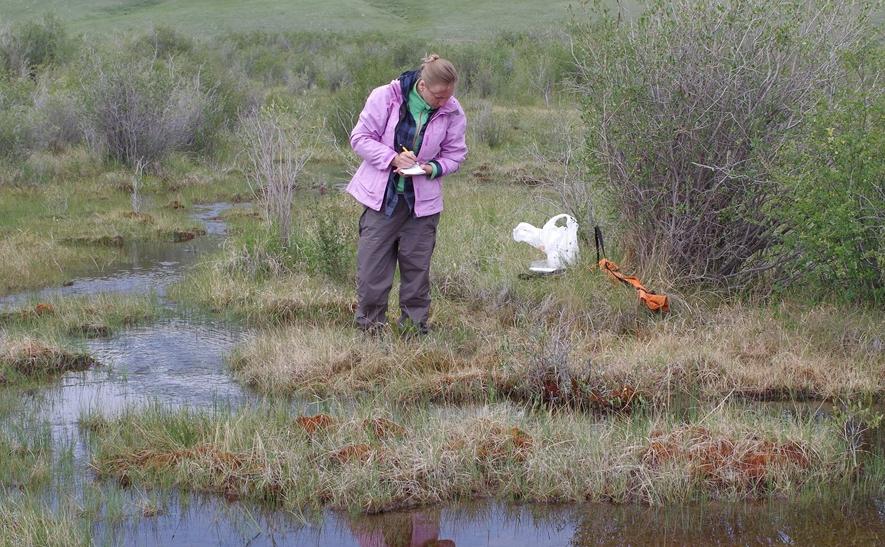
[414, 170]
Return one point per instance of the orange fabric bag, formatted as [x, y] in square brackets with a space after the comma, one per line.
[653, 301]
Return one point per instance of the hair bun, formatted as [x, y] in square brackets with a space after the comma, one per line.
[436, 70]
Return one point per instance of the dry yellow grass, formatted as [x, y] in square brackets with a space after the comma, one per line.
[732, 350]
[341, 361]
[754, 352]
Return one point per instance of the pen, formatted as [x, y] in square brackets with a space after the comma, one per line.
[409, 152]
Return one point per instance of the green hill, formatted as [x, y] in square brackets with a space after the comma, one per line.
[449, 19]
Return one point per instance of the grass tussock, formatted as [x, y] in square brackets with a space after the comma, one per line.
[28, 524]
[340, 361]
[94, 316]
[25, 459]
[431, 455]
[28, 359]
[767, 353]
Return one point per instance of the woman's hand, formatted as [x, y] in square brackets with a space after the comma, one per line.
[407, 159]
[403, 161]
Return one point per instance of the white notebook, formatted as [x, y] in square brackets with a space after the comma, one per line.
[414, 170]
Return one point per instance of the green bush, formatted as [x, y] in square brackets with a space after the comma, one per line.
[27, 46]
[323, 244]
[689, 107]
[16, 131]
[521, 67]
[165, 42]
[487, 126]
[330, 247]
[835, 210]
[348, 102]
[140, 109]
[58, 120]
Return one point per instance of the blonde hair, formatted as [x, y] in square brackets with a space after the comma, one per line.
[436, 70]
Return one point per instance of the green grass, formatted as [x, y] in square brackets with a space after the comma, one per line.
[451, 20]
[497, 334]
[80, 316]
[75, 213]
[31, 523]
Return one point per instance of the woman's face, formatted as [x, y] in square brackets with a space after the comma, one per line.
[435, 95]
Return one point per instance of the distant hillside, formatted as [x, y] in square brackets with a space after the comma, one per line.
[445, 19]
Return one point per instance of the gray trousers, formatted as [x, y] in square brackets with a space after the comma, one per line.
[385, 242]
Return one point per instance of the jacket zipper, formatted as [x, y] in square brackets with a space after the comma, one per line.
[419, 128]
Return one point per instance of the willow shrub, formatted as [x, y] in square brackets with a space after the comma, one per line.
[688, 107]
[835, 207]
[27, 46]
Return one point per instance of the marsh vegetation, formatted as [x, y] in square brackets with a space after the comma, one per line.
[741, 178]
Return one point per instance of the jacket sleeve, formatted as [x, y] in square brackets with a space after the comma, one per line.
[365, 139]
[453, 148]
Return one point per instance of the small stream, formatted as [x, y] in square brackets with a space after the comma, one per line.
[180, 361]
[173, 361]
[145, 267]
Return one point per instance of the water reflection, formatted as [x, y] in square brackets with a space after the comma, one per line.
[817, 522]
[414, 529]
[207, 521]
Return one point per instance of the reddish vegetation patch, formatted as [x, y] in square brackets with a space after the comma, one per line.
[482, 172]
[351, 453]
[312, 424]
[27, 314]
[185, 235]
[383, 428]
[31, 358]
[158, 460]
[43, 309]
[497, 443]
[721, 460]
[619, 399]
[231, 469]
[521, 440]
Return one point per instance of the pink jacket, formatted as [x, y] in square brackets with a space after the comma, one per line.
[372, 140]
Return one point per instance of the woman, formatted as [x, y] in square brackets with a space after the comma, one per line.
[412, 121]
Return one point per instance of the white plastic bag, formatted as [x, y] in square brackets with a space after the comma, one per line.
[559, 243]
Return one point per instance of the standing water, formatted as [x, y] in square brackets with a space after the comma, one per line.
[173, 361]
